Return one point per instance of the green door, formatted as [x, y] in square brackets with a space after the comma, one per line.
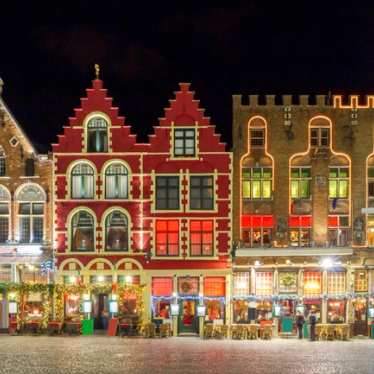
[188, 322]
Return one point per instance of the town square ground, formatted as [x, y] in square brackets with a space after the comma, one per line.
[101, 355]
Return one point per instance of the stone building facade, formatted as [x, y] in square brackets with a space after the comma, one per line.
[302, 203]
[25, 210]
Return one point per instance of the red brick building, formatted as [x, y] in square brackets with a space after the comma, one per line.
[156, 214]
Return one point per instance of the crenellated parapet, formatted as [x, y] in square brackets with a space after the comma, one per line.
[281, 100]
[353, 102]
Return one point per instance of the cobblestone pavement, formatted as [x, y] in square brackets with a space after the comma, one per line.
[102, 355]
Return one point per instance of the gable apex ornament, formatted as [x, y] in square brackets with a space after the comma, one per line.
[1, 86]
[97, 71]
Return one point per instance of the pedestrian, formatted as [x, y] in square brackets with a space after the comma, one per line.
[104, 318]
[313, 322]
[300, 320]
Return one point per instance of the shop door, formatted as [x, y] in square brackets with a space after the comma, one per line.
[100, 311]
[188, 320]
[360, 326]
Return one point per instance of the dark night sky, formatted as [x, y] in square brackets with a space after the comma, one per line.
[47, 54]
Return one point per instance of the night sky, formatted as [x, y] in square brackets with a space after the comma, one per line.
[47, 54]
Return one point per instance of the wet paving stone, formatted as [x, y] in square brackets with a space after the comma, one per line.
[102, 355]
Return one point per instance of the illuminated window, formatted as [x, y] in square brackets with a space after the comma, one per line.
[97, 133]
[370, 230]
[116, 227]
[167, 193]
[264, 283]
[256, 183]
[167, 238]
[214, 286]
[184, 143]
[371, 185]
[338, 182]
[361, 281]
[201, 193]
[162, 286]
[299, 233]
[201, 238]
[241, 284]
[116, 182]
[82, 182]
[300, 182]
[336, 282]
[82, 228]
[256, 230]
[339, 231]
[312, 283]
[257, 137]
[31, 222]
[320, 137]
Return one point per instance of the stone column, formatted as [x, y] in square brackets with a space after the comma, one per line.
[175, 300]
[229, 293]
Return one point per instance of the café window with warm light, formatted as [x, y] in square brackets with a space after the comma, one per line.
[339, 183]
[312, 283]
[256, 183]
[241, 284]
[300, 182]
[167, 238]
[361, 281]
[97, 135]
[299, 233]
[370, 230]
[256, 230]
[320, 137]
[264, 283]
[336, 282]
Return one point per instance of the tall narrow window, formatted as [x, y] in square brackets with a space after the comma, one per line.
[300, 231]
[371, 185]
[300, 183]
[201, 193]
[201, 238]
[116, 182]
[184, 143]
[338, 183]
[256, 183]
[257, 138]
[4, 214]
[2, 164]
[256, 230]
[31, 222]
[97, 133]
[320, 137]
[339, 231]
[82, 182]
[167, 238]
[82, 232]
[116, 226]
[167, 193]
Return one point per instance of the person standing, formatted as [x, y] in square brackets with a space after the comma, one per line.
[313, 322]
[300, 320]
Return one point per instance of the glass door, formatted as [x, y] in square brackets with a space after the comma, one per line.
[360, 326]
[188, 320]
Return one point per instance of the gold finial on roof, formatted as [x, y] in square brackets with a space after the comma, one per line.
[97, 71]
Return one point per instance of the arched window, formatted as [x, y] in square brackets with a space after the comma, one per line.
[82, 182]
[116, 182]
[4, 214]
[82, 232]
[116, 226]
[97, 135]
[31, 199]
[2, 163]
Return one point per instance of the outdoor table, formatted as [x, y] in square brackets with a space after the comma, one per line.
[124, 329]
[54, 327]
[331, 331]
[73, 327]
[32, 326]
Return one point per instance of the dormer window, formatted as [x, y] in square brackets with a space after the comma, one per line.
[97, 135]
[320, 137]
[184, 143]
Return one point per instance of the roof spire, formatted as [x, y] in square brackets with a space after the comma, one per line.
[1, 86]
[97, 71]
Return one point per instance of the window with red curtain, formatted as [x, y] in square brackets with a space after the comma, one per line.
[256, 221]
[214, 286]
[162, 286]
[201, 238]
[167, 238]
[300, 221]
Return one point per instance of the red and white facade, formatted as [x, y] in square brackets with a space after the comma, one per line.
[157, 213]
